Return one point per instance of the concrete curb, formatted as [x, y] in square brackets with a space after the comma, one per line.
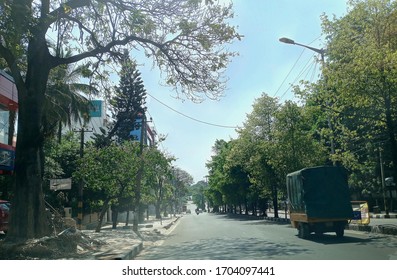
[382, 216]
[384, 229]
[120, 254]
[171, 224]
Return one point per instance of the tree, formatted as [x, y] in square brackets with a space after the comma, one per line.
[64, 157]
[66, 99]
[110, 171]
[293, 136]
[276, 139]
[362, 54]
[198, 193]
[185, 39]
[218, 181]
[255, 140]
[156, 176]
[126, 105]
[180, 180]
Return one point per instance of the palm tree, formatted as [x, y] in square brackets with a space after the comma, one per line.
[66, 100]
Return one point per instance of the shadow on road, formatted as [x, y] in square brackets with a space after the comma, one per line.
[224, 249]
[238, 217]
[330, 239]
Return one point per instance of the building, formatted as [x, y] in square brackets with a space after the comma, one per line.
[8, 104]
[149, 137]
[99, 119]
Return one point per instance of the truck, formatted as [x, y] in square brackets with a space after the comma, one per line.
[319, 200]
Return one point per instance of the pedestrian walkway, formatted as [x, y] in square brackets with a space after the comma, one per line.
[379, 223]
[391, 216]
[123, 243]
[383, 216]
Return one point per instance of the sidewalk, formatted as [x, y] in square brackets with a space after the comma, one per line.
[378, 222]
[123, 243]
[392, 215]
[382, 216]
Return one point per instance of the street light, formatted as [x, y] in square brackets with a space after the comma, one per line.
[292, 42]
[322, 54]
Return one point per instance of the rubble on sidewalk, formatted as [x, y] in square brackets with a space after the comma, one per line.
[73, 244]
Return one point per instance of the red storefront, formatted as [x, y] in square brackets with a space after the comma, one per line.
[8, 103]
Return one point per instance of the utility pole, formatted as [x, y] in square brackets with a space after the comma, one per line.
[139, 175]
[323, 64]
[383, 184]
[82, 131]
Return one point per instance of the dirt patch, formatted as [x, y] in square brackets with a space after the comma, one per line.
[69, 244]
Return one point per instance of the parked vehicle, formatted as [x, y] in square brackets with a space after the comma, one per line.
[319, 200]
[4, 212]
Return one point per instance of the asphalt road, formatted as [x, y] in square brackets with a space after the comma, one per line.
[217, 237]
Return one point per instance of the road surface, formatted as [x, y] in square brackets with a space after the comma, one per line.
[210, 236]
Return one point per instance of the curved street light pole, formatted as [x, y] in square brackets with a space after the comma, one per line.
[322, 54]
[292, 42]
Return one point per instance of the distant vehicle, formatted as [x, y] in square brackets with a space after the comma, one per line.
[319, 200]
[4, 212]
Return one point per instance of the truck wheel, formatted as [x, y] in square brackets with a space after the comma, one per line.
[303, 231]
[340, 232]
[319, 233]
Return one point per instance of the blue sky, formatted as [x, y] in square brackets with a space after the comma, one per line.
[263, 65]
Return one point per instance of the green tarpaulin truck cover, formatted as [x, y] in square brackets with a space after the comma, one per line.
[320, 192]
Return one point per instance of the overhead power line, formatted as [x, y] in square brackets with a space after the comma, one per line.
[189, 117]
[310, 65]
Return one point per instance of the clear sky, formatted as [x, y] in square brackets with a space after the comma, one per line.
[264, 65]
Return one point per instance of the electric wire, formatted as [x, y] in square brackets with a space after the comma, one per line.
[292, 68]
[189, 117]
[286, 77]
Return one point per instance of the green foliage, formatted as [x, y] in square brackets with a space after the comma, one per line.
[275, 140]
[156, 187]
[362, 71]
[126, 105]
[109, 172]
[62, 157]
[66, 98]
[198, 193]
[60, 162]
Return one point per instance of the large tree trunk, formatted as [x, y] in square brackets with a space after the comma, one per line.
[105, 207]
[158, 209]
[115, 215]
[28, 217]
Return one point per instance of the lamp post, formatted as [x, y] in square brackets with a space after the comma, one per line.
[322, 55]
[292, 42]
